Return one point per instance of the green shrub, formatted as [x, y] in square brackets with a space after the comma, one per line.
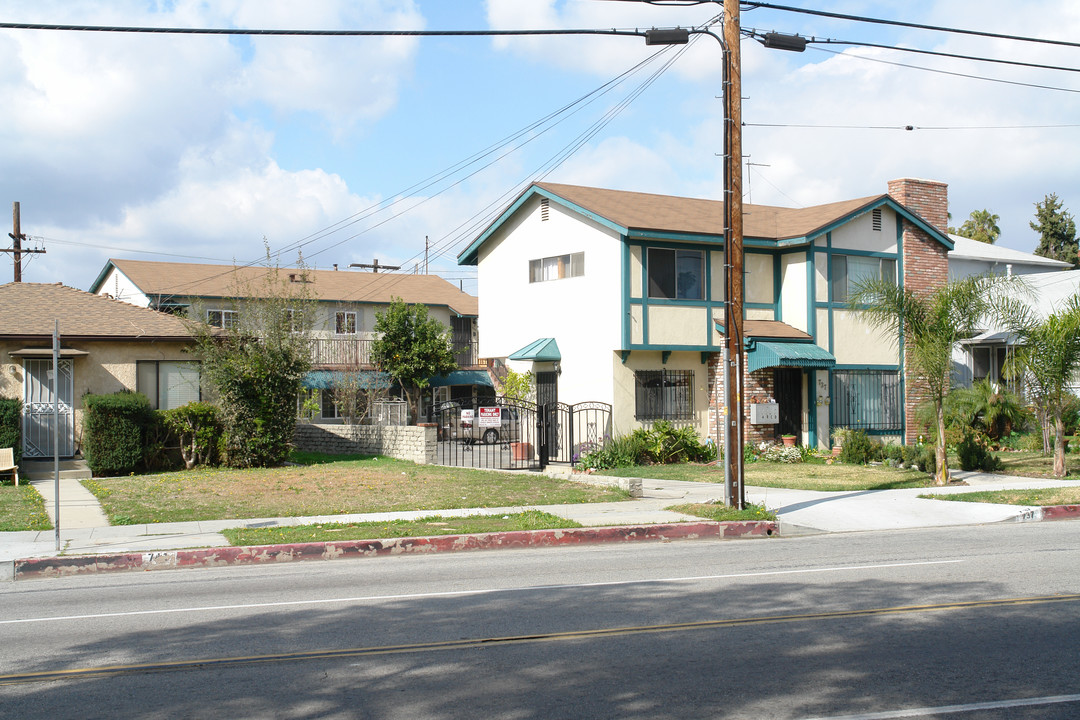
[926, 459]
[197, 426]
[662, 444]
[894, 453]
[974, 455]
[859, 449]
[114, 432]
[11, 426]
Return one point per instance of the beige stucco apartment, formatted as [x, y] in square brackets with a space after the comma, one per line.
[105, 346]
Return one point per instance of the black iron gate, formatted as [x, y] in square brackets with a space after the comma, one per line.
[499, 433]
[573, 430]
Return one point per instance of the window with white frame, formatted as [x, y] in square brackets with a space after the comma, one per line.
[222, 318]
[168, 384]
[848, 271]
[557, 267]
[676, 274]
[663, 394]
[345, 323]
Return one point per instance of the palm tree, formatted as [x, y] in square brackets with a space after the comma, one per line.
[1048, 357]
[982, 225]
[928, 326]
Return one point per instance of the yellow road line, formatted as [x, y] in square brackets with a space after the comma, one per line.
[112, 670]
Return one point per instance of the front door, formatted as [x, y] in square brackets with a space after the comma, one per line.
[38, 409]
[789, 398]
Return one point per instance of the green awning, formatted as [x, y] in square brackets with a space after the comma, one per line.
[542, 350]
[767, 354]
[329, 379]
[462, 377]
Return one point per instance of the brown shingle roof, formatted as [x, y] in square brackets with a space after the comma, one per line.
[29, 309]
[226, 281]
[667, 213]
[772, 329]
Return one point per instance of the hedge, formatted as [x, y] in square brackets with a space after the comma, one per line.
[114, 432]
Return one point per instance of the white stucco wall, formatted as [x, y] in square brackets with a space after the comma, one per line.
[119, 286]
[583, 314]
[860, 235]
[793, 291]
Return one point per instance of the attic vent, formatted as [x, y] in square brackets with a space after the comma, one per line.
[544, 209]
[875, 219]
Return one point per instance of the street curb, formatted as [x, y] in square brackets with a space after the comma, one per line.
[1060, 512]
[67, 566]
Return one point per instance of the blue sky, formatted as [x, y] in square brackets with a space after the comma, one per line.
[181, 147]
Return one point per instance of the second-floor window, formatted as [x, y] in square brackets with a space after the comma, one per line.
[557, 267]
[345, 323]
[676, 274]
[850, 270]
[222, 318]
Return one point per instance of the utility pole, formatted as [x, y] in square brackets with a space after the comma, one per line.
[733, 247]
[17, 237]
[375, 266]
[425, 254]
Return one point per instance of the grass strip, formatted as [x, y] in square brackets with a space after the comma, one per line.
[1039, 497]
[722, 513]
[421, 527]
[22, 508]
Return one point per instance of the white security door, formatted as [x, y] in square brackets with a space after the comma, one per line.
[38, 421]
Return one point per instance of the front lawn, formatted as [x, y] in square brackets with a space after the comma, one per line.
[1039, 497]
[798, 476]
[421, 527]
[1033, 464]
[373, 484]
[22, 508]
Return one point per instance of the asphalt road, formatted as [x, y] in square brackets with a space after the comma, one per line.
[978, 622]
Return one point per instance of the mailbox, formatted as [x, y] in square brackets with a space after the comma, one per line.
[764, 414]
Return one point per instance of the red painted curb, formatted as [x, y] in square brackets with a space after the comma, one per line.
[64, 566]
[1061, 512]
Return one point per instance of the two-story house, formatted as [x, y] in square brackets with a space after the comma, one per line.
[346, 303]
[622, 293]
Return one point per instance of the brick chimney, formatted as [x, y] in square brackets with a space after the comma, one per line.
[926, 263]
[929, 199]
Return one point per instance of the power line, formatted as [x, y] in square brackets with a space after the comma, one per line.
[910, 128]
[916, 26]
[134, 29]
[968, 76]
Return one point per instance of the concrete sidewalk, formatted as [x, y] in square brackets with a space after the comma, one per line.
[85, 530]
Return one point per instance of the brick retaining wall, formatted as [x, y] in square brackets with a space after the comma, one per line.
[416, 443]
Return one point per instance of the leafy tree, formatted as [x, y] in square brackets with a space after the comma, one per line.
[197, 427]
[255, 366]
[412, 347]
[1057, 230]
[981, 225]
[519, 386]
[1048, 358]
[930, 326]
